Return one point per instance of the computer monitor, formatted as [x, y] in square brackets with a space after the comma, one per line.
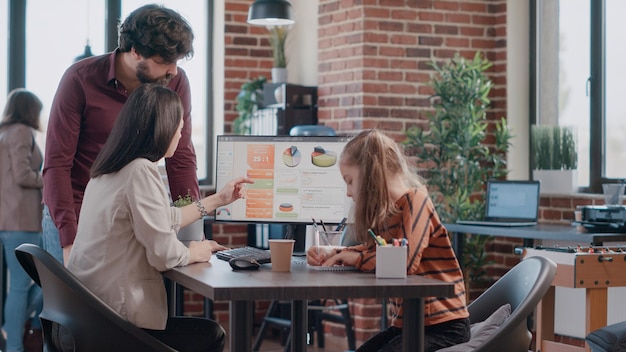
[297, 178]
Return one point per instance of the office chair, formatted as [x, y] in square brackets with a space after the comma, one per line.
[311, 130]
[522, 288]
[319, 311]
[93, 325]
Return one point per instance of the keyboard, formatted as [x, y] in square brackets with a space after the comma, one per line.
[260, 255]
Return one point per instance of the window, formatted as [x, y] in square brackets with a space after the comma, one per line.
[579, 81]
[52, 46]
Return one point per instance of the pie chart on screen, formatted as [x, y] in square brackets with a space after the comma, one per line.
[292, 156]
[323, 158]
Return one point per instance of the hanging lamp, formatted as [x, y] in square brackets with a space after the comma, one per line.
[270, 13]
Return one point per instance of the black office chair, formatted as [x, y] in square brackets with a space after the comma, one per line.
[93, 325]
[318, 312]
[522, 288]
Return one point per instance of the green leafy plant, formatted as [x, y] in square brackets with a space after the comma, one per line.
[249, 99]
[277, 38]
[183, 201]
[554, 148]
[453, 154]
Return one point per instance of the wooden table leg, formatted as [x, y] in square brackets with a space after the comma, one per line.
[596, 309]
[544, 319]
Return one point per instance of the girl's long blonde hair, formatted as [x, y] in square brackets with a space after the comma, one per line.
[377, 157]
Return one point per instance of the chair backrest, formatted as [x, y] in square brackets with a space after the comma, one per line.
[311, 130]
[522, 287]
[94, 326]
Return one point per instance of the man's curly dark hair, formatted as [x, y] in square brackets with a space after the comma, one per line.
[156, 30]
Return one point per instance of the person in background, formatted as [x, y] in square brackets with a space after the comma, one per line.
[152, 39]
[391, 201]
[20, 211]
[127, 228]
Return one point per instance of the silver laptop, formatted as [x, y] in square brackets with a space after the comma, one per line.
[509, 203]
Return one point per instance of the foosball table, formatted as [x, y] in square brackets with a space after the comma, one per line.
[594, 268]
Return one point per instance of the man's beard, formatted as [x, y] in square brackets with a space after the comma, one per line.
[142, 74]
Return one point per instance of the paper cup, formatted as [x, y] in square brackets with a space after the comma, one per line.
[280, 254]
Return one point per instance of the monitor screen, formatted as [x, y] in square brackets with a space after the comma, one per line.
[296, 178]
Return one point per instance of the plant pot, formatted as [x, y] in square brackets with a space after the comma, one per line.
[279, 74]
[192, 232]
[557, 181]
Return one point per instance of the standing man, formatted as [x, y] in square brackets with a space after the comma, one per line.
[88, 100]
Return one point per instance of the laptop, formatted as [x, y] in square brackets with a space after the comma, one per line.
[509, 203]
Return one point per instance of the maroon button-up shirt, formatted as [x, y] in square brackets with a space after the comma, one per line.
[87, 103]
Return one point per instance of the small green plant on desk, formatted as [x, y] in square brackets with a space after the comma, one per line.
[183, 201]
[193, 231]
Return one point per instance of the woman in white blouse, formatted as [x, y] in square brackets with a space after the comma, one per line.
[127, 229]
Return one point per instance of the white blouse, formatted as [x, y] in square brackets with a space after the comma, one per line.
[126, 237]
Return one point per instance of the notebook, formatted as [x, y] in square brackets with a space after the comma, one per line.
[509, 203]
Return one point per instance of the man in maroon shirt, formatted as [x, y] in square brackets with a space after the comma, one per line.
[90, 96]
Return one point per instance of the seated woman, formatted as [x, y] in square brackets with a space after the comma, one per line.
[391, 201]
[127, 229]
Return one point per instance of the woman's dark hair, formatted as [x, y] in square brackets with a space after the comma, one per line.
[22, 107]
[156, 30]
[144, 129]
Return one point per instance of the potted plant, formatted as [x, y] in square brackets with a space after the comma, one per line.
[249, 99]
[277, 38]
[555, 158]
[193, 231]
[456, 160]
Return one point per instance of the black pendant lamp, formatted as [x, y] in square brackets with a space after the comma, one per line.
[270, 13]
[86, 54]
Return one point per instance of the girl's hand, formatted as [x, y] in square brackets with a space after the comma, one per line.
[316, 256]
[348, 258]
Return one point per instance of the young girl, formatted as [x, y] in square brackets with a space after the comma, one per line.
[127, 229]
[390, 200]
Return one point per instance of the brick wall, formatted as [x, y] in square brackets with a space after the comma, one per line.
[373, 72]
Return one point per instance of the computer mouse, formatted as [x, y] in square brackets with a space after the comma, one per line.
[244, 263]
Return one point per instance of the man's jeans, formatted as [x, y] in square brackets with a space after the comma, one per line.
[51, 240]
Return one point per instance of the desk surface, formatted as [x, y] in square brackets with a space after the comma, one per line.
[216, 280]
[539, 232]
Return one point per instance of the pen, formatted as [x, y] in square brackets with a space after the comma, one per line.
[317, 236]
[341, 224]
[323, 226]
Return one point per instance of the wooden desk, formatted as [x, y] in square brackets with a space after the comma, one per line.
[539, 232]
[595, 272]
[594, 278]
[217, 281]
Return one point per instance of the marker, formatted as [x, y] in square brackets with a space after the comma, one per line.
[371, 233]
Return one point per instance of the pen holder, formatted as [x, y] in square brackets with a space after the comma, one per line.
[391, 262]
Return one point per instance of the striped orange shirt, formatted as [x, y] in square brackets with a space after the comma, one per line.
[430, 255]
